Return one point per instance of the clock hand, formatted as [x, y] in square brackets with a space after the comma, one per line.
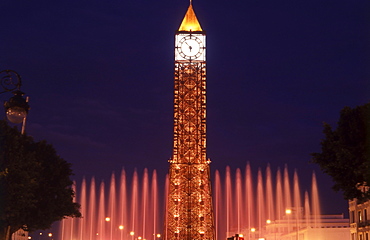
[190, 47]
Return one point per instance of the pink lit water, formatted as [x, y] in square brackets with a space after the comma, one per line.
[135, 207]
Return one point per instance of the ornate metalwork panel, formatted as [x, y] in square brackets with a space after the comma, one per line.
[189, 205]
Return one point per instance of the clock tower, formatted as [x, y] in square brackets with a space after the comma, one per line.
[189, 211]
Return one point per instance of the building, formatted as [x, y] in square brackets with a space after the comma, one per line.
[322, 227]
[189, 210]
[359, 219]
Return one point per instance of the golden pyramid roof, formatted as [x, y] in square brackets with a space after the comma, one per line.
[190, 22]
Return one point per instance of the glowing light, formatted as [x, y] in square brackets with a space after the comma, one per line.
[240, 235]
[107, 219]
[253, 229]
[268, 221]
[190, 22]
[50, 234]
[288, 211]
[16, 114]
[132, 233]
[158, 235]
[121, 227]
[139, 238]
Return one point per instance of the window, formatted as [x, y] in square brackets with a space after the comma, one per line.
[365, 214]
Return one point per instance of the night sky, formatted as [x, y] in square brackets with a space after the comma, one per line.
[99, 75]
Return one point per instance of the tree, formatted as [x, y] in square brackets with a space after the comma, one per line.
[35, 185]
[345, 153]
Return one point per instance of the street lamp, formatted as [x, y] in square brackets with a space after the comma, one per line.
[107, 219]
[121, 227]
[16, 108]
[268, 222]
[290, 211]
[252, 231]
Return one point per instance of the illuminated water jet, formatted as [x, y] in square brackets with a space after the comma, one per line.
[135, 210]
[116, 215]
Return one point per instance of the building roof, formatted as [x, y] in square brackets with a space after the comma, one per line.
[190, 22]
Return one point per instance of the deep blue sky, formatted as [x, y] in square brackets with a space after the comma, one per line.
[100, 79]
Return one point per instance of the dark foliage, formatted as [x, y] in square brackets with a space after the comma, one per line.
[35, 185]
[345, 153]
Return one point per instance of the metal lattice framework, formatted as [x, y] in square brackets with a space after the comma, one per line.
[189, 205]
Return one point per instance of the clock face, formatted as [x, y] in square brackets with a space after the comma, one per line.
[190, 47]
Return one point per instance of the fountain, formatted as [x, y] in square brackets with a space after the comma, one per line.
[248, 210]
[134, 211]
[116, 215]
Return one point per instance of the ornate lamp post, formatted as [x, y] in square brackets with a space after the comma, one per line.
[16, 108]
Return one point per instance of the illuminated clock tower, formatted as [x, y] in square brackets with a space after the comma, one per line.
[189, 213]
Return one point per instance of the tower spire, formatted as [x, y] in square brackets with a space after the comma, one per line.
[190, 22]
